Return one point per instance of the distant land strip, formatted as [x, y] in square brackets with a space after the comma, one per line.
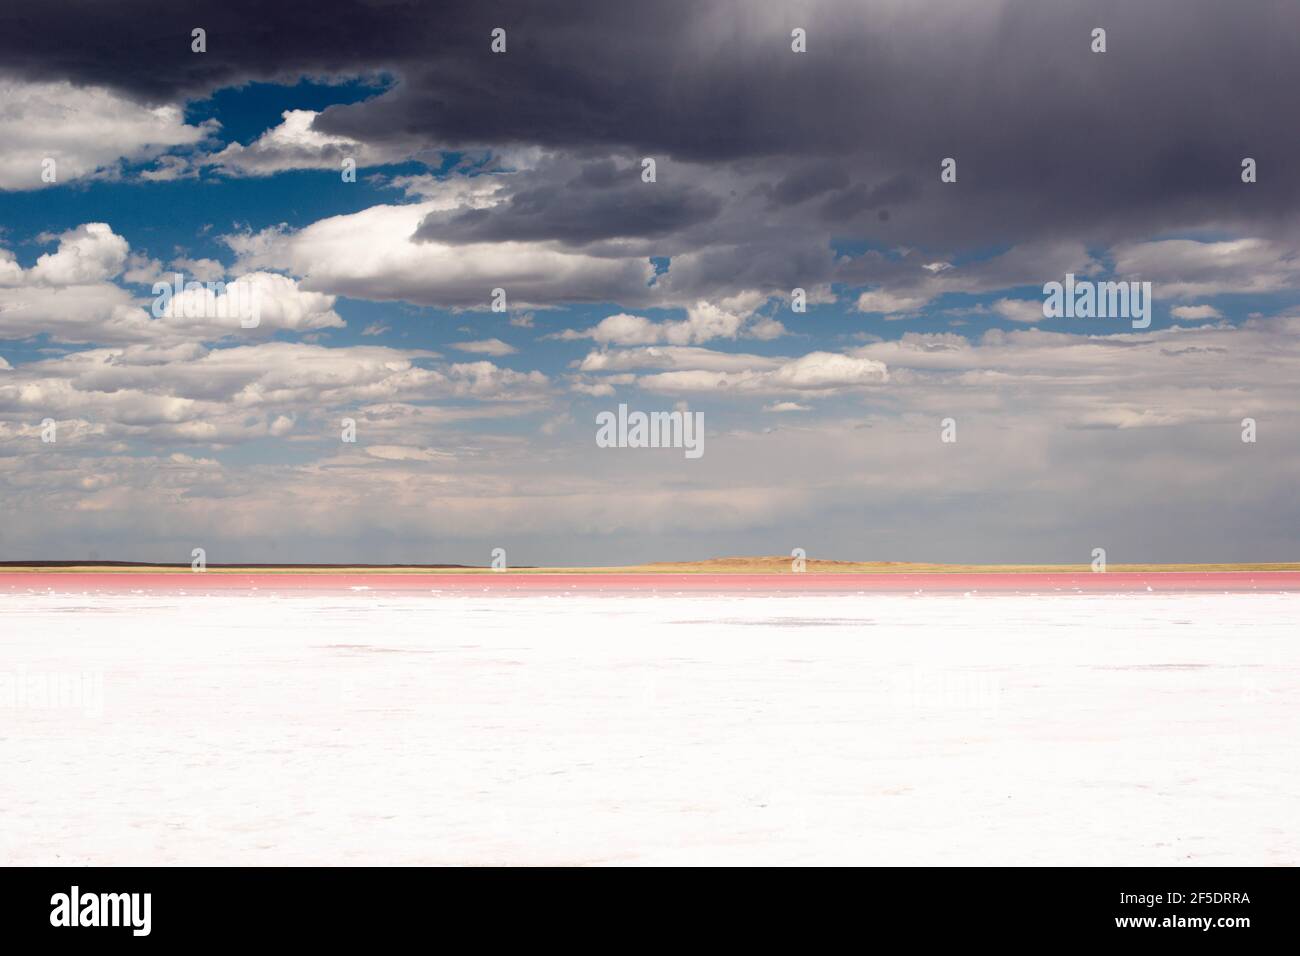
[734, 565]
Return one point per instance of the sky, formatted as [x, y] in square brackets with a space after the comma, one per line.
[128, 156]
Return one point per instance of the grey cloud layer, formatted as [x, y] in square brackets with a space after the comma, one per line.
[1049, 136]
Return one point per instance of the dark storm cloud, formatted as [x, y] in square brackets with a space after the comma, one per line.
[858, 198]
[605, 200]
[1049, 136]
[808, 181]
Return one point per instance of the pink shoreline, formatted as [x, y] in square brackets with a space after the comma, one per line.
[614, 583]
